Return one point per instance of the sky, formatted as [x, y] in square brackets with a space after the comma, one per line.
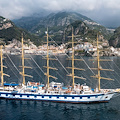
[105, 12]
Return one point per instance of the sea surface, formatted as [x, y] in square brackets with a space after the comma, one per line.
[36, 110]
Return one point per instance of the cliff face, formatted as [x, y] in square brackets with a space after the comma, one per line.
[5, 23]
[8, 32]
[115, 39]
[82, 30]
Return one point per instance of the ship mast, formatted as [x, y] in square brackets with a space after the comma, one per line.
[48, 59]
[23, 66]
[98, 63]
[73, 70]
[73, 59]
[98, 76]
[2, 66]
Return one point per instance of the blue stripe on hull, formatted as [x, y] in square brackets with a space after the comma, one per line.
[53, 95]
[36, 97]
[59, 101]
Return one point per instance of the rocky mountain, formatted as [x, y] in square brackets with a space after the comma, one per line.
[29, 22]
[57, 22]
[80, 29]
[53, 19]
[9, 31]
[115, 39]
[59, 25]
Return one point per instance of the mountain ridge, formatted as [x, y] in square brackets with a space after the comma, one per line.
[58, 24]
[9, 31]
[58, 21]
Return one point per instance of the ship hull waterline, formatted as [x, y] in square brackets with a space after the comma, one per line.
[94, 98]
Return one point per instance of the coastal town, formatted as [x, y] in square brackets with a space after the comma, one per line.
[85, 49]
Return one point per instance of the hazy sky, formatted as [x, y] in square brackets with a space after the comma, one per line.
[106, 12]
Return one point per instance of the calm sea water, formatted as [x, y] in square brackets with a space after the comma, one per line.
[31, 110]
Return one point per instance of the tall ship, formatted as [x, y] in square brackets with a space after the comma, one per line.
[54, 91]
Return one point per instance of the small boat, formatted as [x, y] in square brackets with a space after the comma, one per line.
[54, 91]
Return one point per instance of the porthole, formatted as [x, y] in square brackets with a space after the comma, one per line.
[89, 97]
[65, 97]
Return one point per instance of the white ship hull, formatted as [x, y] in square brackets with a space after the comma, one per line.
[65, 98]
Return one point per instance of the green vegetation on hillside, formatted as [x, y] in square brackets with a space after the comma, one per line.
[13, 32]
